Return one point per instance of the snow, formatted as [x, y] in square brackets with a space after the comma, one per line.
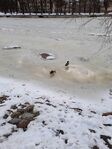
[63, 117]
[11, 47]
[85, 85]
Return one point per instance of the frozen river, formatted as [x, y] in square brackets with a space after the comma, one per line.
[90, 72]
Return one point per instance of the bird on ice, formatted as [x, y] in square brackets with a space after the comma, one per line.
[67, 65]
[52, 73]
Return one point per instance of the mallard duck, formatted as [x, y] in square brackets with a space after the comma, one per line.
[67, 63]
[52, 73]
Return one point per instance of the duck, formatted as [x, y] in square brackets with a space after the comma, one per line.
[67, 63]
[52, 73]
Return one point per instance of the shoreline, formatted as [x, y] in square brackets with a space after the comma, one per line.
[54, 15]
[58, 113]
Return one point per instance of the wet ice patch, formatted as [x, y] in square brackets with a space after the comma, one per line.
[79, 73]
[47, 56]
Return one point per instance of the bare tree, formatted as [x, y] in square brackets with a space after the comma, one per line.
[57, 6]
[106, 5]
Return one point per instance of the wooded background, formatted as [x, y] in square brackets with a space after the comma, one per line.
[57, 7]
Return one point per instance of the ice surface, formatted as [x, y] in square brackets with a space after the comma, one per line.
[36, 36]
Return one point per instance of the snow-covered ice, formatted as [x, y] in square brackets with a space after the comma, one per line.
[11, 47]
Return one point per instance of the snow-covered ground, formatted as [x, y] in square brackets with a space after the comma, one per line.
[72, 102]
[80, 128]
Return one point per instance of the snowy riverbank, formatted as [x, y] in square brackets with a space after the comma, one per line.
[64, 121]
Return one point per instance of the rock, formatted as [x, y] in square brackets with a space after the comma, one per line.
[110, 91]
[37, 144]
[59, 131]
[27, 103]
[7, 135]
[49, 104]
[91, 130]
[2, 105]
[13, 107]
[14, 121]
[29, 108]
[5, 116]
[4, 123]
[66, 141]
[95, 147]
[44, 123]
[15, 114]
[13, 130]
[78, 110]
[23, 116]
[21, 110]
[107, 124]
[22, 105]
[28, 116]
[3, 98]
[36, 113]
[9, 111]
[47, 100]
[106, 138]
[18, 96]
[62, 120]
[23, 124]
[93, 112]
